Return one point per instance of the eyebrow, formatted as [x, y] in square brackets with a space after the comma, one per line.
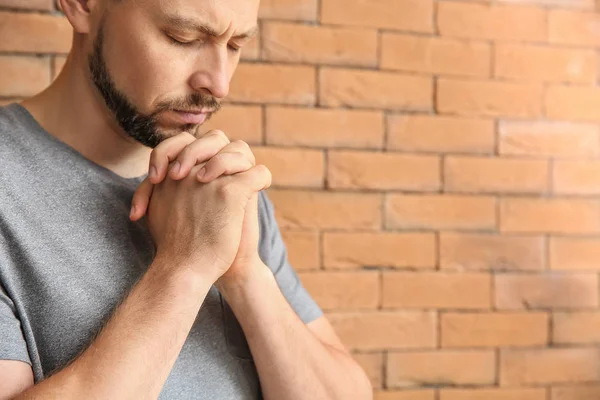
[191, 24]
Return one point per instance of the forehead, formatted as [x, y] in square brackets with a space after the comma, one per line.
[220, 14]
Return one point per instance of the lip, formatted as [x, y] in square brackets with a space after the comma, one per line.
[192, 117]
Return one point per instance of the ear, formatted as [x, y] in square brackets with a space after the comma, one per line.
[78, 12]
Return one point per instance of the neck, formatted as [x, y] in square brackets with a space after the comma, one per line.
[71, 110]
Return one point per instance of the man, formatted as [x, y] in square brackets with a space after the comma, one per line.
[188, 295]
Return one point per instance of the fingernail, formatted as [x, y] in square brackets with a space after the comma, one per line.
[202, 172]
[175, 169]
[153, 172]
[132, 212]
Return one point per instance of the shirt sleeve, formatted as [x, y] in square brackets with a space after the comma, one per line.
[12, 341]
[273, 253]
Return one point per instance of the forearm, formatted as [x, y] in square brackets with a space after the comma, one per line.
[292, 362]
[134, 353]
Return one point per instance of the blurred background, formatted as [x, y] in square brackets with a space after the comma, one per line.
[436, 177]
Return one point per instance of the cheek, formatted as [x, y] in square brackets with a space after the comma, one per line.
[145, 68]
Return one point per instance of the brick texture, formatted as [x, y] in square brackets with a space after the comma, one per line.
[411, 15]
[362, 170]
[385, 249]
[550, 290]
[494, 394]
[422, 368]
[547, 366]
[373, 89]
[437, 134]
[480, 21]
[489, 98]
[310, 44]
[436, 170]
[287, 126]
[435, 55]
[494, 329]
[436, 290]
[540, 63]
[462, 252]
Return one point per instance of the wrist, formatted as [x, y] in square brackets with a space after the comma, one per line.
[180, 276]
[243, 284]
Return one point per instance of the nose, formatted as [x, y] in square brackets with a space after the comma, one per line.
[212, 75]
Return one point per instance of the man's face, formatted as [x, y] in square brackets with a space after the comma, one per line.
[163, 66]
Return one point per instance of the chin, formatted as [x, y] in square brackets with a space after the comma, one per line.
[170, 132]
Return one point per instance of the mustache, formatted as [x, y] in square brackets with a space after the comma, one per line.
[195, 101]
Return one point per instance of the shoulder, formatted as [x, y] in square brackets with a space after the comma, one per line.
[13, 122]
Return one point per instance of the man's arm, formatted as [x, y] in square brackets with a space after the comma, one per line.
[292, 362]
[134, 353]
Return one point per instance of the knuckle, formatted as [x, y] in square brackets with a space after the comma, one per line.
[221, 135]
[227, 190]
[187, 135]
[241, 144]
[263, 169]
[184, 154]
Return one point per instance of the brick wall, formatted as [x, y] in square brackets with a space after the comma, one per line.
[437, 179]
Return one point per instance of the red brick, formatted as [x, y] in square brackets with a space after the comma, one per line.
[374, 89]
[580, 4]
[580, 177]
[493, 394]
[440, 368]
[573, 103]
[238, 123]
[494, 330]
[302, 10]
[549, 139]
[325, 128]
[34, 33]
[323, 45]
[383, 171]
[549, 290]
[543, 366]
[385, 249]
[251, 50]
[386, 330]
[574, 27]
[372, 364]
[587, 392]
[293, 167]
[502, 175]
[538, 215]
[430, 133]
[262, 83]
[491, 252]
[354, 290]
[23, 76]
[439, 290]
[575, 254]
[303, 249]
[576, 327]
[405, 395]
[481, 21]
[541, 63]
[406, 15]
[28, 4]
[308, 209]
[489, 98]
[440, 212]
[435, 55]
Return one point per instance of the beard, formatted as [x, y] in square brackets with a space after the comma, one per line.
[141, 127]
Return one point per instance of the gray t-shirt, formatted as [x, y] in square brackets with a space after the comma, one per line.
[69, 254]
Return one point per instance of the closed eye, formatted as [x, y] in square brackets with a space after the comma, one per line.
[180, 42]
